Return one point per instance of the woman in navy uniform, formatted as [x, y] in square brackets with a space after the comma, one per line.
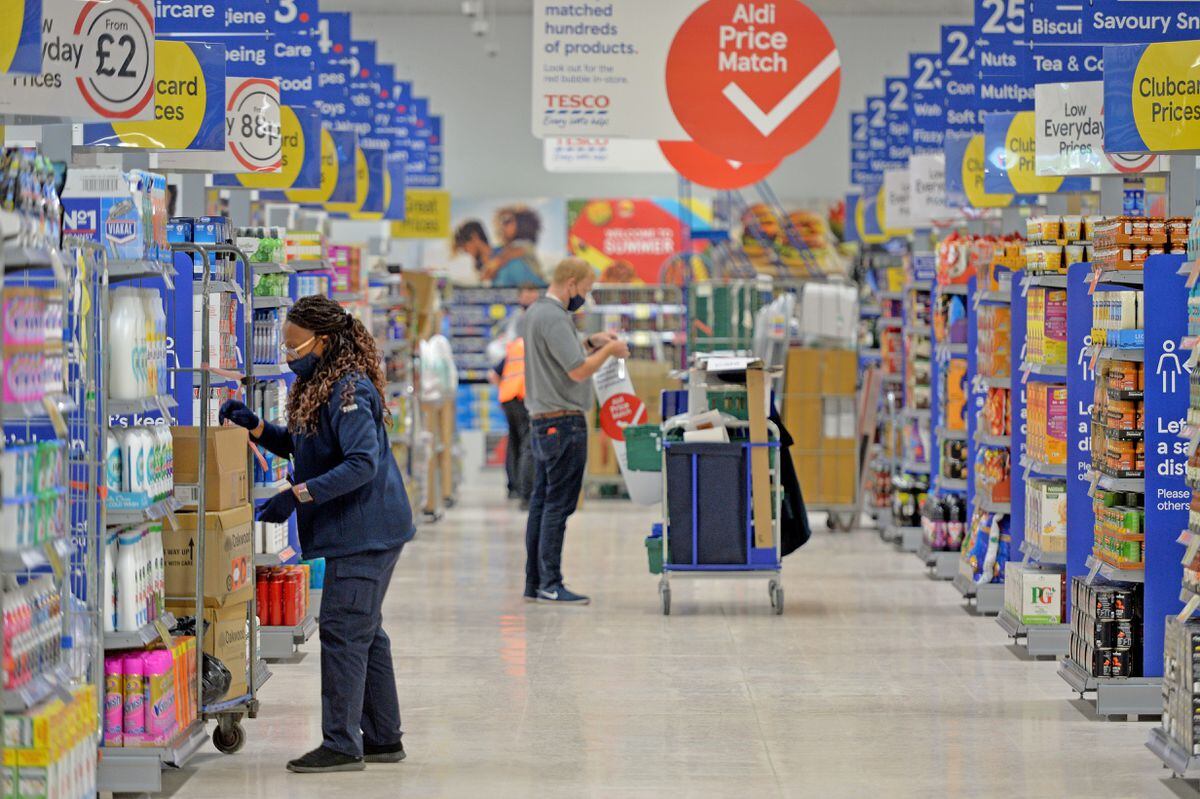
[351, 509]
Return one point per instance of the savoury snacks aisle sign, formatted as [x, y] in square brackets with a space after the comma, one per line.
[1152, 98]
[1070, 134]
[21, 36]
[189, 103]
[97, 64]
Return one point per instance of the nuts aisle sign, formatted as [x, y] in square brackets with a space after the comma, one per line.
[97, 64]
[753, 81]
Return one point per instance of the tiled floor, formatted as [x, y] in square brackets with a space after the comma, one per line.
[874, 682]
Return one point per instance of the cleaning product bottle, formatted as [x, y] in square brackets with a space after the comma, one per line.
[128, 607]
[134, 722]
[160, 696]
[123, 346]
[114, 700]
[108, 612]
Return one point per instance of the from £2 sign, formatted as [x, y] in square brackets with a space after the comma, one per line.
[189, 103]
[753, 81]
[253, 133]
[97, 64]
[1152, 98]
[1070, 134]
[21, 36]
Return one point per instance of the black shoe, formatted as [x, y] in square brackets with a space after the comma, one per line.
[322, 759]
[392, 753]
[449, 502]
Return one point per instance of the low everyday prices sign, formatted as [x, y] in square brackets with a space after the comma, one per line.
[189, 103]
[97, 64]
[1152, 98]
[1070, 134]
[1010, 143]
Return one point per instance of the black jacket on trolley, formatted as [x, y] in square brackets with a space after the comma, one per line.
[794, 531]
[359, 500]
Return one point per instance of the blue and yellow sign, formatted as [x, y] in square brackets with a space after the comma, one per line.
[1010, 143]
[189, 103]
[21, 36]
[300, 131]
[1152, 98]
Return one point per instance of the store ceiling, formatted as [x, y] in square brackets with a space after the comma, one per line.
[951, 8]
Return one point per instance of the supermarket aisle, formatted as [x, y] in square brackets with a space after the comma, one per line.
[881, 685]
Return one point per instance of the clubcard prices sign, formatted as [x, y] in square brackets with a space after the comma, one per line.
[748, 81]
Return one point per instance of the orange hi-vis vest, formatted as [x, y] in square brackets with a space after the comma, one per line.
[512, 379]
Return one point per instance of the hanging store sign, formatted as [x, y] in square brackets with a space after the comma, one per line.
[877, 141]
[700, 166]
[299, 155]
[21, 36]
[971, 166]
[899, 135]
[1152, 98]
[394, 189]
[860, 153]
[897, 201]
[575, 155]
[189, 103]
[426, 215]
[329, 171]
[926, 111]
[1011, 165]
[97, 64]
[1070, 134]
[1114, 21]
[927, 188]
[745, 80]
[962, 117]
[253, 133]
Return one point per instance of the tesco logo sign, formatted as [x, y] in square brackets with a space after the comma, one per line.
[577, 102]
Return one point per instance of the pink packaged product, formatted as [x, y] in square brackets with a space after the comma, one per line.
[114, 701]
[24, 314]
[24, 377]
[134, 724]
[159, 675]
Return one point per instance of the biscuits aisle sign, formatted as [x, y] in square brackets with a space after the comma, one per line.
[21, 36]
[97, 64]
[748, 81]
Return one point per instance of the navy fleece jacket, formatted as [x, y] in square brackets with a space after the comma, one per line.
[359, 501]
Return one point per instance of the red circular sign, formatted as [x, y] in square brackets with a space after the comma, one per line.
[708, 169]
[618, 412]
[753, 81]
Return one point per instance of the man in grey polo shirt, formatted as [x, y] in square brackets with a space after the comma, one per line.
[558, 391]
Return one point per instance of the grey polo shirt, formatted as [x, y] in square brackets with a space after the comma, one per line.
[552, 349]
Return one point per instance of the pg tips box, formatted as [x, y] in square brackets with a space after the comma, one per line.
[1035, 596]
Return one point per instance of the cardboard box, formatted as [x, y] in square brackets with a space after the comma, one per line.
[650, 379]
[226, 630]
[227, 484]
[839, 371]
[228, 556]
[602, 460]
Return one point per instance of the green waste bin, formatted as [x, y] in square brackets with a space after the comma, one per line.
[643, 448]
[654, 550]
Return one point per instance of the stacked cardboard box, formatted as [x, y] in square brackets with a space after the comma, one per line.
[819, 410]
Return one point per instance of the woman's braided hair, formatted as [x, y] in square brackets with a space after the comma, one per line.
[349, 348]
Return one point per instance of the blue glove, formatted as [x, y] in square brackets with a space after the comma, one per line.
[236, 411]
[279, 508]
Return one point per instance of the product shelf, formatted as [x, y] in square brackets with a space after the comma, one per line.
[162, 403]
[219, 287]
[891, 322]
[1046, 281]
[995, 381]
[271, 268]
[40, 689]
[1135, 484]
[34, 557]
[920, 330]
[120, 271]
[260, 302]
[1115, 696]
[279, 643]
[1116, 354]
[1114, 573]
[891, 295]
[944, 351]
[29, 411]
[17, 257]
[274, 558]
[953, 484]
[1002, 296]
[917, 413]
[138, 638]
[995, 507]
[868, 311]
[1044, 369]
[1035, 554]
[308, 265]
[942, 564]
[954, 288]
[115, 517]
[138, 769]
[270, 371]
[951, 435]
[1173, 756]
[914, 467]
[1043, 469]
[1123, 277]
[989, 440]
[870, 354]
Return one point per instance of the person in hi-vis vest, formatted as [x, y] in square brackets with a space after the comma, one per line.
[510, 372]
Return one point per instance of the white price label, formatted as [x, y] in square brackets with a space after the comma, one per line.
[253, 124]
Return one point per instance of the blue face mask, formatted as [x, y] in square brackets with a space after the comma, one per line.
[304, 366]
[575, 303]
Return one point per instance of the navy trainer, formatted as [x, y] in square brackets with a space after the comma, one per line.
[561, 596]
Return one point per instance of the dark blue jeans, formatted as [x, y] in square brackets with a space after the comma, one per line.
[358, 687]
[559, 457]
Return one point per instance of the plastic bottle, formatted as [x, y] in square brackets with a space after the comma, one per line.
[129, 608]
[114, 700]
[123, 346]
[134, 722]
[147, 453]
[131, 454]
[168, 445]
[109, 611]
[160, 696]
[112, 463]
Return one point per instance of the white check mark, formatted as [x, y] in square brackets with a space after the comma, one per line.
[767, 122]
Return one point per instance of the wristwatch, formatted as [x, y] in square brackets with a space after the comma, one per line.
[302, 493]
